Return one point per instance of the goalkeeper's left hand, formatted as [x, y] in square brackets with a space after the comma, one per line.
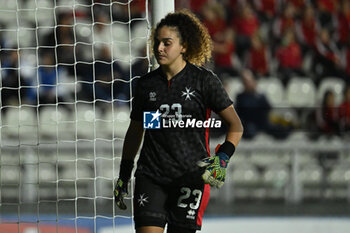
[215, 172]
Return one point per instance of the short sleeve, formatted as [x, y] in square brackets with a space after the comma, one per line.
[216, 96]
[137, 104]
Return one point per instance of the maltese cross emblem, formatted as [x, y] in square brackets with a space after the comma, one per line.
[188, 93]
[142, 200]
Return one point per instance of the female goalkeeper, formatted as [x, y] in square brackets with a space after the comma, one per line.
[173, 103]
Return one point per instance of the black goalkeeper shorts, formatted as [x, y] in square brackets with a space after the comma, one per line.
[180, 204]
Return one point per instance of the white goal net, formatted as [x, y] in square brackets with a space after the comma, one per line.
[68, 69]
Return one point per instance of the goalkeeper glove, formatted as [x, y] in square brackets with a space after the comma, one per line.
[121, 187]
[215, 172]
[121, 191]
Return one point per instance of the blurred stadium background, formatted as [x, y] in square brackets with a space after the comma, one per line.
[68, 69]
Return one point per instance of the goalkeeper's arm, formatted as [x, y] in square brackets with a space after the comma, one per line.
[234, 125]
[215, 172]
[131, 145]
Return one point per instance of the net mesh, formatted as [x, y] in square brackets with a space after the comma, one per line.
[68, 69]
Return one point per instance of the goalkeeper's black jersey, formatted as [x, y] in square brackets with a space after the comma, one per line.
[185, 103]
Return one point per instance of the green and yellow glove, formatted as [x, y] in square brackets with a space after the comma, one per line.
[121, 187]
[120, 191]
[215, 172]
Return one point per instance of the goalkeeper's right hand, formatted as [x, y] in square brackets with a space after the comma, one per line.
[121, 187]
[120, 191]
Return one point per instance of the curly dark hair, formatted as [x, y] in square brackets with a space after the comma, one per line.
[193, 35]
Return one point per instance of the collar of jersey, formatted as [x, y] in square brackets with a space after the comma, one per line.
[177, 76]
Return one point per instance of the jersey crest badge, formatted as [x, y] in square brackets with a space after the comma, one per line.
[188, 93]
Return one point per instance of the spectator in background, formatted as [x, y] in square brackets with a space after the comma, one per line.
[47, 90]
[223, 51]
[257, 59]
[122, 8]
[62, 42]
[285, 22]
[266, 9]
[105, 83]
[343, 24]
[346, 61]
[196, 5]
[231, 7]
[110, 40]
[245, 25]
[213, 18]
[327, 60]
[108, 79]
[344, 111]
[327, 117]
[328, 125]
[306, 30]
[299, 6]
[289, 57]
[254, 109]
[12, 83]
[141, 65]
[102, 37]
[223, 38]
[326, 9]
[137, 8]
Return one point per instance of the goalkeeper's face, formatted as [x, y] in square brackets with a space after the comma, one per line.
[167, 46]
